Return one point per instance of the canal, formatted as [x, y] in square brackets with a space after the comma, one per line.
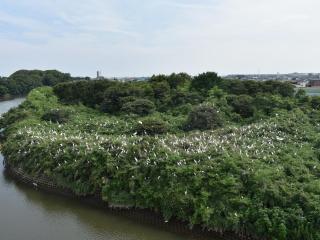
[28, 214]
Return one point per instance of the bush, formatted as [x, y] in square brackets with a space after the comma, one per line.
[179, 97]
[315, 103]
[204, 117]
[151, 126]
[12, 116]
[242, 104]
[300, 94]
[216, 92]
[56, 116]
[141, 107]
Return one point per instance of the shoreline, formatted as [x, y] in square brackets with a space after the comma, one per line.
[144, 216]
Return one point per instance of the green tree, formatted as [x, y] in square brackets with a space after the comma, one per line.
[205, 81]
[3, 90]
[178, 80]
[112, 98]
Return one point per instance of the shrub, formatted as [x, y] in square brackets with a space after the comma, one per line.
[12, 116]
[204, 117]
[216, 92]
[56, 116]
[242, 104]
[151, 126]
[315, 103]
[141, 107]
[181, 110]
[300, 94]
[179, 97]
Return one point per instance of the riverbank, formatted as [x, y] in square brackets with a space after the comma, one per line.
[144, 216]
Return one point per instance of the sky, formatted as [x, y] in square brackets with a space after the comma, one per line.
[144, 37]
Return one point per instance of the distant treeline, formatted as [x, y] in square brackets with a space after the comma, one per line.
[172, 91]
[22, 82]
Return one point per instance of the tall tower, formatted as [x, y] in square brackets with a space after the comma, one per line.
[98, 74]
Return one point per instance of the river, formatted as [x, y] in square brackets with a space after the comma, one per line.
[28, 214]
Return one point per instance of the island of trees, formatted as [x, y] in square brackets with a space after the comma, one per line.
[229, 155]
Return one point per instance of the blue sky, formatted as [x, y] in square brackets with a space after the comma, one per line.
[143, 37]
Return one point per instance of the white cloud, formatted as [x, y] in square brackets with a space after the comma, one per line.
[194, 5]
[146, 37]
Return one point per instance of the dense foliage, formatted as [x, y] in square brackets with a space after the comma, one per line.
[22, 82]
[253, 166]
[56, 116]
[151, 126]
[178, 90]
[204, 117]
[139, 106]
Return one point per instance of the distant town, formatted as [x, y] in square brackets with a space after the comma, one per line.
[298, 79]
[121, 79]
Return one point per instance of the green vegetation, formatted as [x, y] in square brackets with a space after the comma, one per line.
[138, 106]
[56, 116]
[204, 117]
[237, 156]
[22, 82]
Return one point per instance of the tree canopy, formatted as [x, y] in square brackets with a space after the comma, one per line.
[23, 81]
